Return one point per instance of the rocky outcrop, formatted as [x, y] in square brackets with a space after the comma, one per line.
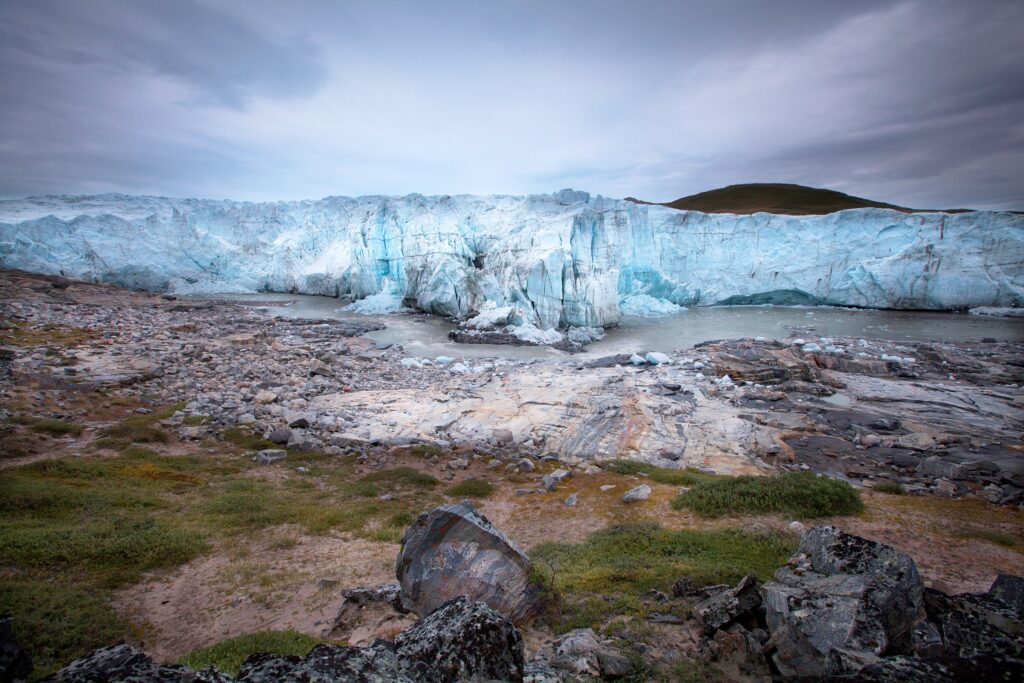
[461, 641]
[454, 551]
[126, 663]
[576, 654]
[840, 604]
[724, 607]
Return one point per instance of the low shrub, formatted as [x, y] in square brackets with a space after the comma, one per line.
[228, 655]
[801, 494]
[471, 488]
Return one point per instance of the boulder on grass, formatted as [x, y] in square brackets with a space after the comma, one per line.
[454, 551]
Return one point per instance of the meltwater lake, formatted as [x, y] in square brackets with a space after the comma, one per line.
[427, 335]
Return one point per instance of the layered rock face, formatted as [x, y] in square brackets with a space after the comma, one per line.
[563, 260]
[454, 551]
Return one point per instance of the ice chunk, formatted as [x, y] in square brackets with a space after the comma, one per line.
[657, 358]
[645, 305]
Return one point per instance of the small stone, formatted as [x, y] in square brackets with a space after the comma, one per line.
[635, 495]
[606, 487]
[270, 455]
[571, 500]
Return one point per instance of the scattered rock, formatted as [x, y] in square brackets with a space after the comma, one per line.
[270, 455]
[722, 608]
[637, 494]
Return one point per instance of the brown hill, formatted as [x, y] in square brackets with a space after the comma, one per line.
[772, 198]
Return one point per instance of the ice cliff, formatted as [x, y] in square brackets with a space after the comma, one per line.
[566, 259]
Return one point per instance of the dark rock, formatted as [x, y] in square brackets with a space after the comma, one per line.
[1009, 589]
[281, 435]
[301, 422]
[726, 606]
[454, 551]
[15, 664]
[461, 641]
[740, 655]
[685, 587]
[124, 663]
[609, 361]
[976, 624]
[840, 604]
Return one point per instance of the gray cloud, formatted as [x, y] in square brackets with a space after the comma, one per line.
[918, 102]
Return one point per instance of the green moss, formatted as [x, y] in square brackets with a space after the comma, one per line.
[606, 574]
[244, 438]
[424, 450]
[801, 494]
[57, 622]
[56, 428]
[131, 431]
[891, 487]
[401, 477]
[228, 655]
[997, 537]
[662, 475]
[471, 488]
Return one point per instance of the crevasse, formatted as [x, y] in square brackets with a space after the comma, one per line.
[566, 259]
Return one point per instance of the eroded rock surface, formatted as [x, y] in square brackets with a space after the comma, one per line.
[454, 551]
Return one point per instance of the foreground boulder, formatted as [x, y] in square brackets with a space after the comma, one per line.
[461, 641]
[454, 551]
[841, 604]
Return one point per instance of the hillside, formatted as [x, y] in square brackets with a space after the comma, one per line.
[784, 198]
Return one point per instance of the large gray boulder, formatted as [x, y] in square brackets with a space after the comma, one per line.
[840, 604]
[454, 551]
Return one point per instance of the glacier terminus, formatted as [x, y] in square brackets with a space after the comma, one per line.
[557, 261]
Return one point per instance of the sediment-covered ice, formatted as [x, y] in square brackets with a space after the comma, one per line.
[562, 260]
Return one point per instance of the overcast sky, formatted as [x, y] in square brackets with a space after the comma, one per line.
[917, 102]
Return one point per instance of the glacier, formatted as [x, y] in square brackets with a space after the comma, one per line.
[561, 260]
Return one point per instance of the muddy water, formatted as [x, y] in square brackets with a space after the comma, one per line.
[427, 336]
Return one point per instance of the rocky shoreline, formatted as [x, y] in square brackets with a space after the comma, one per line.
[939, 418]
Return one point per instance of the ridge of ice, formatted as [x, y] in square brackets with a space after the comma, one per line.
[563, 260]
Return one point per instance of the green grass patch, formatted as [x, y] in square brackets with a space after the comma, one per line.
[244, 438]
[606, 574]
[424, 450]
[997, 537]
[891, 487]
[228, 655]
[801, 494]
[471, 488]
[57, 622]
[401, 477]
[131, 431]
[195, 420]
[662, 475]
[56, 428]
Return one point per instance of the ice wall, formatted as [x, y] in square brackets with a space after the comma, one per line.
[565, 259]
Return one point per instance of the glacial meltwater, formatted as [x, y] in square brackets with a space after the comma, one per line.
[427, 335]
